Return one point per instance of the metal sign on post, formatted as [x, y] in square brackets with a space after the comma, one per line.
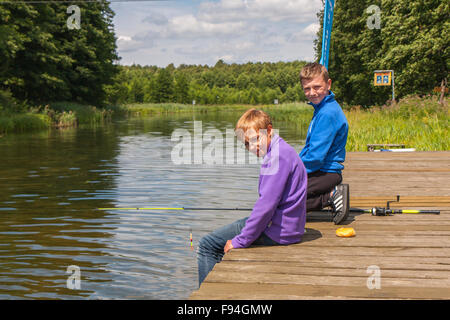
[384, 78]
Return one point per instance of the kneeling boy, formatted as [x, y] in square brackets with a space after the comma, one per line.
[279, 214]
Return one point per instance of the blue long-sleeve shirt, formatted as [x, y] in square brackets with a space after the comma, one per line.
[280, 211]
[326, 138]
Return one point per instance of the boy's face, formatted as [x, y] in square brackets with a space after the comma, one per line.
[316, 88]
[258, 142]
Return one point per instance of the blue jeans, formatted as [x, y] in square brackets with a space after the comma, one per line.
[210, 248]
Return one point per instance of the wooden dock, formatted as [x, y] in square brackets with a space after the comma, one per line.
[410, 253]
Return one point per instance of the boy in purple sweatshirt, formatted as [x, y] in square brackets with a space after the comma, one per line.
[279, 214]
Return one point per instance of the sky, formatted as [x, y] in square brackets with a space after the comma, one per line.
[201, 32]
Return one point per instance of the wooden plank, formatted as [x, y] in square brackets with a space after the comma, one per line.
[329, 280]
[259, 267]
[377, 223]
[256, 291]
[385, 242]
[357, 249]
[408, 169]
[391, 263]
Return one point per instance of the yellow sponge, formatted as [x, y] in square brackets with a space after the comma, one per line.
[345, 232]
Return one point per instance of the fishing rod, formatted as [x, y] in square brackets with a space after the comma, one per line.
[375, 211]
[179, 208]
[387, 211]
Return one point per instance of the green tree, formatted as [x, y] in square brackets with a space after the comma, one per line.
[208, 78]
[138, 90]
[290, 95]
[242, 81]
[182, 88]
[164, 86]
[253, 95]
[44, 61]
[117, 93]
[266, 79]
[281, 80]
[150, 91]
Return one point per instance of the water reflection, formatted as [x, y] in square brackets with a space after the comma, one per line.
[51, 184]
[50, 229]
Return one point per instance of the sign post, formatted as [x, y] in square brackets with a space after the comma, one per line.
[384, 78]
[326, 34]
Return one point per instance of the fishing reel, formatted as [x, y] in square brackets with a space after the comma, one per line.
[379, 211]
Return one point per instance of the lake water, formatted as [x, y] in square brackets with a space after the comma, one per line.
[52, 184]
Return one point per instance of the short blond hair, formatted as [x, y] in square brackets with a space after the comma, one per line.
[252, 119]
[312, 70]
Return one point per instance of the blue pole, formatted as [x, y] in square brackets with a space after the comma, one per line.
[326, 36]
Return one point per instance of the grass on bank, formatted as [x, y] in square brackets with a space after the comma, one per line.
[57, 115]
[23, 122]
[420, 123]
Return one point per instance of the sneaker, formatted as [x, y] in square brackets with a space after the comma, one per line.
[340, 203]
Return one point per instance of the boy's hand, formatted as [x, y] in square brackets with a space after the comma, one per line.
[228, 246]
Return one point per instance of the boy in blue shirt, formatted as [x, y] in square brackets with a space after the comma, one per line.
[324, 150]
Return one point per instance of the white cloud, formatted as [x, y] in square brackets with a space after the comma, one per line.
[226, 58]
[312, 29]
[123, 39]
[128, 44]
[191, 26]
[273, 10]
[308, 33]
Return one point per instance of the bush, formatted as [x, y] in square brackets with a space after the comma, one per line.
[23, 122]
[78, 113]
[7, 102]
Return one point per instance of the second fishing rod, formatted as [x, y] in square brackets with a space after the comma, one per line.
[375, 211]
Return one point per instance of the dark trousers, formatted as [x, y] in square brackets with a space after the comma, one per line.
[319, 187]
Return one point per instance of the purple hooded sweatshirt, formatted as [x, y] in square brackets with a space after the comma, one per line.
[280, 211]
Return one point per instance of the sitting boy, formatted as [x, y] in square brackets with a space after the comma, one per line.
[324, 150]
[279, 214]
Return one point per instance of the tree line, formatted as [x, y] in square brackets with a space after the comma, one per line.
[250, 83]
